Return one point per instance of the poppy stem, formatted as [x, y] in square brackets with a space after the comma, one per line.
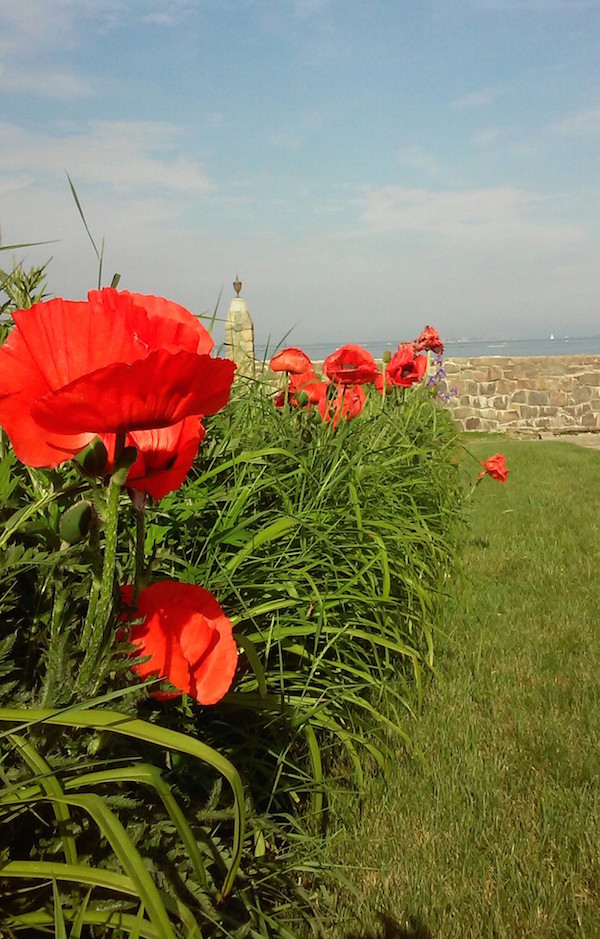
[105, 604]
[94, 543]
[140, 537]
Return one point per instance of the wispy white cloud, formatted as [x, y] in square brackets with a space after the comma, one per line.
[488, 136]
[46, 83]
[578, 124]
[125, 155]
[481, 216]
[416, 158]
[474, 100]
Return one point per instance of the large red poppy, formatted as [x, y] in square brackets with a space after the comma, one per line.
[187, 636]
[495, 467]
[73, 369]
[350, 365]
[405, 367]
[346, 405]
[430, 339]
[165, 456]
[292, 360]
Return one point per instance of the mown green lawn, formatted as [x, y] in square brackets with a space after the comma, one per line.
[496, 831]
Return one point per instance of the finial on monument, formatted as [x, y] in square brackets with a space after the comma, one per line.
[237, 285]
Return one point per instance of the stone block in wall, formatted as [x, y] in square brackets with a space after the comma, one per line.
[559, 398]
[519, 397]
[479, 402]
[504, 387]
[595, 402]
[537, 397]
[590, 420]
[566, 383]
[500, 402]
[507, 417]
[578, 410]
[461, 412]
[473, 423]
[590, 378]
[579, 394]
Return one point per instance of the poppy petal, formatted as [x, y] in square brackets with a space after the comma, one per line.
[158, 308]
[159, 390]
[21, 382]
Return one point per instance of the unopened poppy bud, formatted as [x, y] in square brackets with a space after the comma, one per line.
[124, 463]
[75, 523]
[302, 399]
[94, 458]
[386, 356]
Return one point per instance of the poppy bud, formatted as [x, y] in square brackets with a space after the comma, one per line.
[386, 356]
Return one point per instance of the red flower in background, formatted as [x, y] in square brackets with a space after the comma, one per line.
[495, 467]
[347, 404]
[430, 339]
[302, 383]
[308, 383]
[405, 367]
[71, 370]
[165, 456]
[187, 636]
[292, 360]
[350, 365]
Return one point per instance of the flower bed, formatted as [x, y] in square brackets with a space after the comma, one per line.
[196, 650]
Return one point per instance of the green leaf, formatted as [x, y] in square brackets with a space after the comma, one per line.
[113, 722]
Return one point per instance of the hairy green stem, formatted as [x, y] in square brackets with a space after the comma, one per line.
[94, 542]
[140, 538]
[103, 609]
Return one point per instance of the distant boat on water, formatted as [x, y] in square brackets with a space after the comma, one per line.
[551, 335]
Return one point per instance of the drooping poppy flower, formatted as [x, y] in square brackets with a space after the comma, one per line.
[292, 360]
[346, 405]
[405, 367]
[350, 365]
[165, 456]
[70, 370]
[430, 339]
[188, 637]
[495, 467]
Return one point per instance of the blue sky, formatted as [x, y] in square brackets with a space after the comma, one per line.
[366, 167]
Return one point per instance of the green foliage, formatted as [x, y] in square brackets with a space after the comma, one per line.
[330, 549]
[22, 288]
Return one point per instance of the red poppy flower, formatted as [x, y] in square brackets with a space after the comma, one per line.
[310, 385]
[165, 456]
[347, 404]
[495, 467]
[70, 370]
[292, 360]
[350, 365]
[430, 339]
[187, 636]
[405, 367]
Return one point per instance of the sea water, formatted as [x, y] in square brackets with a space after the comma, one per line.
[466, 348]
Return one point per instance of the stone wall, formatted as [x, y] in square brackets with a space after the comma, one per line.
[556, 393]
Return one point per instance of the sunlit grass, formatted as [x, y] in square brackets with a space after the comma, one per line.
[496, 833]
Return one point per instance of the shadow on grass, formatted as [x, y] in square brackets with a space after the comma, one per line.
[389, 928]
